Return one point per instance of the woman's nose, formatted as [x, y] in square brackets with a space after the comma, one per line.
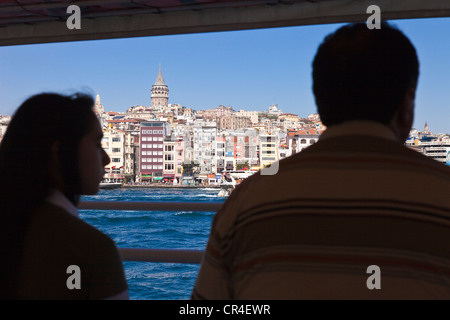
[106, 158]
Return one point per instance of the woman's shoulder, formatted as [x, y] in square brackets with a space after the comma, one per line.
[52, 219]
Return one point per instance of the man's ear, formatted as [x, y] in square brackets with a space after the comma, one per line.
[407, 112]
[403, 118]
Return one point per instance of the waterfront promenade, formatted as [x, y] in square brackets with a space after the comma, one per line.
[162, 185]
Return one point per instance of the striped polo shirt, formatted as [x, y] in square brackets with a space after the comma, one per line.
[355, 216]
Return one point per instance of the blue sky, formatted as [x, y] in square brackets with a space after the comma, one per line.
[247, 70]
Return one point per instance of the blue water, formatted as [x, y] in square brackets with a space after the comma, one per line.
[156, 229]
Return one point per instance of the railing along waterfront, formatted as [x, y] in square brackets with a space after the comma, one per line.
[149, 254]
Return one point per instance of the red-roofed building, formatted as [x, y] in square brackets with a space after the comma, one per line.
[297, 140]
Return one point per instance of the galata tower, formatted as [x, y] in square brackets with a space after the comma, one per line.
[159, 92]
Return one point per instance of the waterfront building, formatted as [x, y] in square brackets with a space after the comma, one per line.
[251, 145]
[113, 142]
[169, 158]
[129, 161]
[152, 136]
[204, 139]
[179, 145]
[268, 149]
[131, 155]
[229, 160]
[240, 149]
[220, 152]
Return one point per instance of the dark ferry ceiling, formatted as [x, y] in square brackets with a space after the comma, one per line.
[33, 21]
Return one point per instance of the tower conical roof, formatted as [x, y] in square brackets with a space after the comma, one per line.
[159, 79]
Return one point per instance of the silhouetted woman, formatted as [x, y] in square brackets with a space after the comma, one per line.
[50, 155]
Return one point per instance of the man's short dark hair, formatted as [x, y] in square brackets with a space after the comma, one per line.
[363, 74]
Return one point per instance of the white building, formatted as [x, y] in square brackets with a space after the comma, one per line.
[273, 110]
[204, 143]
[253, 115]
[169, 158]
[114, 144]
[268, 149]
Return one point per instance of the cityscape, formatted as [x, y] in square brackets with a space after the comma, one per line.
[171, 144]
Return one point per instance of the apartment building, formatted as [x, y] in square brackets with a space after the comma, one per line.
[204, 144]
[152, 149]
[113, 142]
[253, 115]
[268, 149]
[297, 140]
[179, 146]
[234, 122]
[169, 158]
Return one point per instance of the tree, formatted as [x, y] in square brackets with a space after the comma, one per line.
[189, 168]
[242, 166]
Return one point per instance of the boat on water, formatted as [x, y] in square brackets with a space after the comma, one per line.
[110, 184]
[225, 191]
[230, 179]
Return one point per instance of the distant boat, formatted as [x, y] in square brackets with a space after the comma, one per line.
[230, 179]
[227, 185]
[110, 185]
[225, 191]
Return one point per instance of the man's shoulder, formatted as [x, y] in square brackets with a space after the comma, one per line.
[361, 146]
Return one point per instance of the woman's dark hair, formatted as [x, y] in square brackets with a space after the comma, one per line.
[26, 153]
[362, 74]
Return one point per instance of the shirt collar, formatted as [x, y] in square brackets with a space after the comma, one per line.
[358, 127]
[60, 200]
